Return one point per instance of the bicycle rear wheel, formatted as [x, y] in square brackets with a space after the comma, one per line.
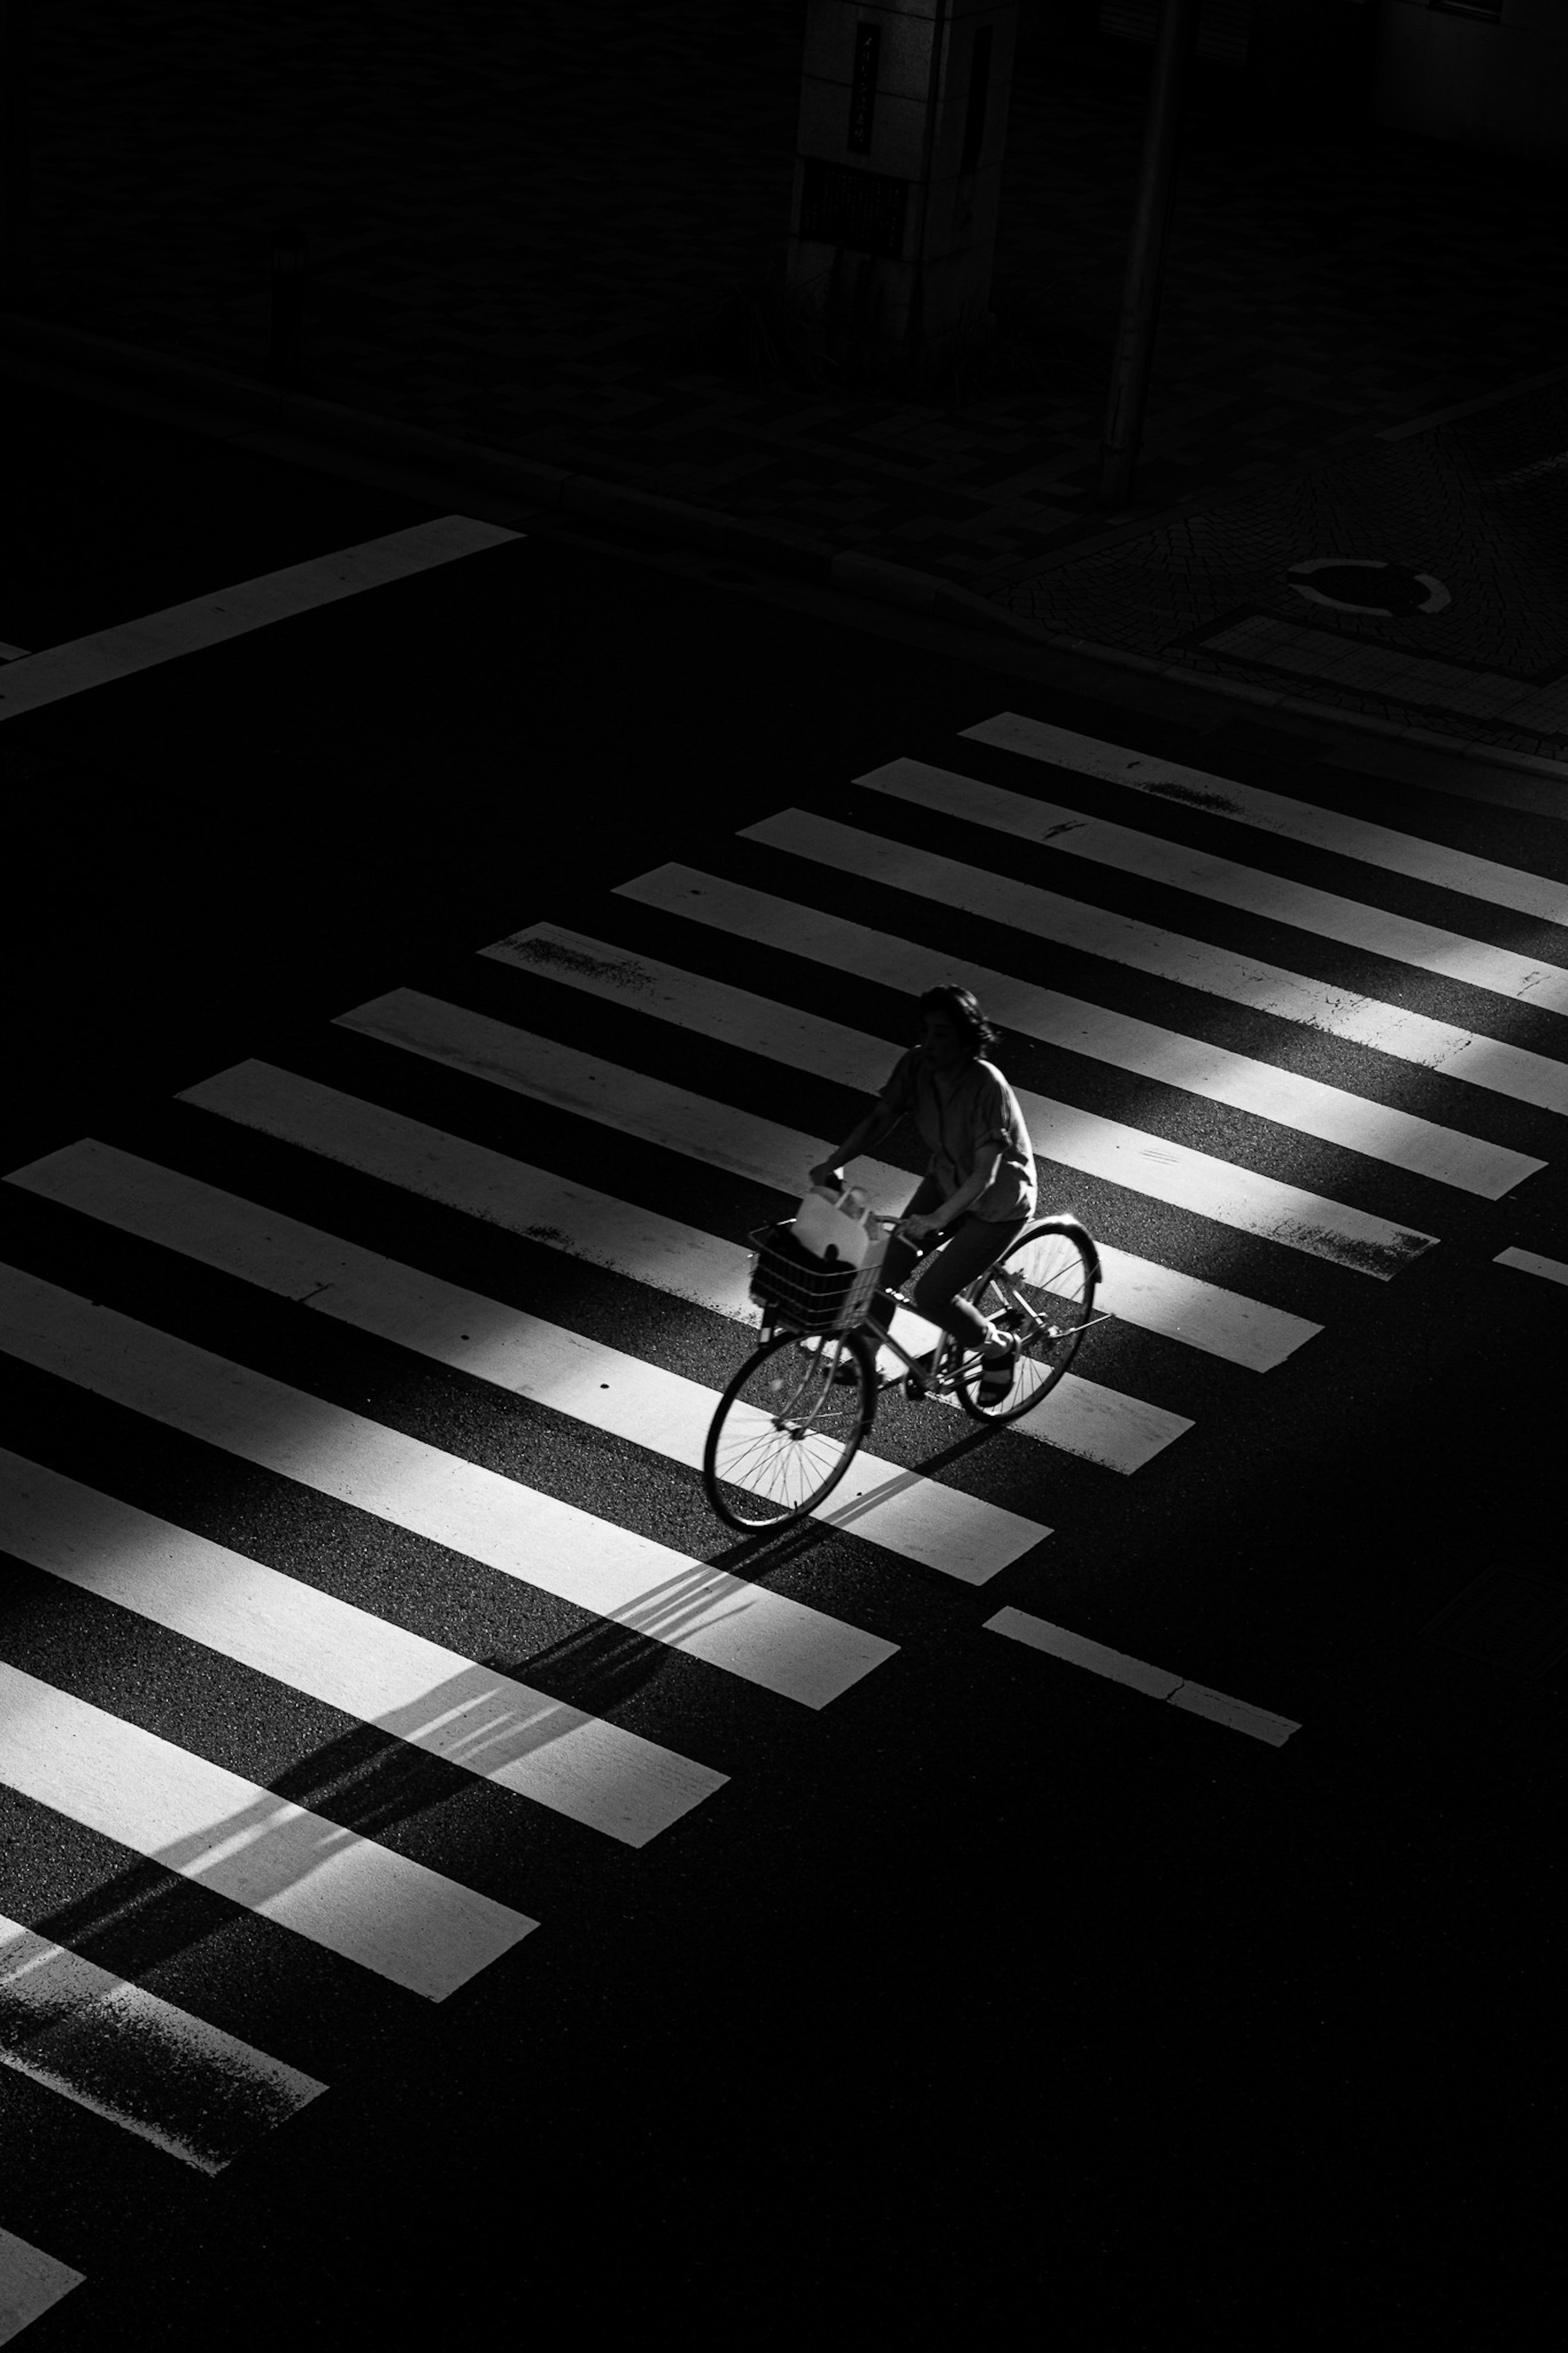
[1042, 1291]
[786, 1430]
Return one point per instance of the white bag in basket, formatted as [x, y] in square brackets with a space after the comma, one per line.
[834, 1222]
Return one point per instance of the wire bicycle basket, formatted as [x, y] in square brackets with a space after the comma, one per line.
[799, 1292]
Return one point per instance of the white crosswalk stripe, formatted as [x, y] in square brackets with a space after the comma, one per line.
[1378, 1130]
[597, 1035]
[744, 1629]
[1293, 820]
[350, 1893]
[1138, 1291]
[957, 1535]
[773, 1154]
[157, 2071]
[1079, 1416]
[486, 1721]
[1355, 924]
[1481, 1061]
[30, 2283]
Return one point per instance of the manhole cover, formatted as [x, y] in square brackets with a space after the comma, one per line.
[1367, 584]
[1510, 1616]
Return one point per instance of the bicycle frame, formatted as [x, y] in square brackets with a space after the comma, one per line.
[949, 1358]
[786, 1430]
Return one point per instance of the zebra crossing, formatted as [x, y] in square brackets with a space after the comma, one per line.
[535, 1179]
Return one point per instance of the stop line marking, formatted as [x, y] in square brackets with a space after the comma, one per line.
[226, 613]
[1156, 1682]
[1532, 1262]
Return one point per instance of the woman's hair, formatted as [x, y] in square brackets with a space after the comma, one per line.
[962, 1010]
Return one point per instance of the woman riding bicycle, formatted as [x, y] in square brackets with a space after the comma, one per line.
[978, 1190]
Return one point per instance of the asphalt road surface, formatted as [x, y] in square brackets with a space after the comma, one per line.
[450, 1882]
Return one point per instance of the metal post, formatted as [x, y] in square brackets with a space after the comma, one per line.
[1175, 40]
[288, 304]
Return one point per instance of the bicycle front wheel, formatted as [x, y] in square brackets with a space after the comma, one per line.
[1042, 1291]
[787, 1429]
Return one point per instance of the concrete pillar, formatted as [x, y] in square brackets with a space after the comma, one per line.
[903, 123]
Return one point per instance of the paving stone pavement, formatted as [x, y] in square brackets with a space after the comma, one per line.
[555, 230]
[1477, 510]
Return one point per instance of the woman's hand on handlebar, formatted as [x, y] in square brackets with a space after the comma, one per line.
[917, 1230]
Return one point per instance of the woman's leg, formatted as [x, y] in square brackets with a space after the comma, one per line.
[970, 1249]
[901, 1255]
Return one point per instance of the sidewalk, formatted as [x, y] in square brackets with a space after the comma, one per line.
[550, 233]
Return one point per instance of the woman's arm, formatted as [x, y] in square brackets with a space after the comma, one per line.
[947, 1212]
[878, 1123]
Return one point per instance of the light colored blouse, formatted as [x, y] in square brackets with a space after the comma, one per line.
[978, 1117]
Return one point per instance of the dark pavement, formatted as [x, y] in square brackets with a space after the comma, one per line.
[994, 1990]
[554, 233]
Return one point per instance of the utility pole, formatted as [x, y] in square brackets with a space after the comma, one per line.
[1175, 40]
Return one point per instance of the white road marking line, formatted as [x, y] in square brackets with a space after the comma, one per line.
[1465, 1054]
[1377, 1130]
[171, 2078]
[210, 621]
[1118, 1432]
[764, 1637]
[960, 1535]
[1198, 1699]
[1532, 1262]
[31, 2281]
[635, 1103]
[1429, 947]
[434, 1698]
[1324, 828]
[340, 1890]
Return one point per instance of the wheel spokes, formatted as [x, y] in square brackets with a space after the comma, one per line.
[789, 1428]
[1040, 1294]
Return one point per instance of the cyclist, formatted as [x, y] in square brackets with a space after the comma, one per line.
[978, 1190]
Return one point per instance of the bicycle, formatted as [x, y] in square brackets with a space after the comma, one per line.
[788, 1427]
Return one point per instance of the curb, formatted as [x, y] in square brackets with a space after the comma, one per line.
[228, 406]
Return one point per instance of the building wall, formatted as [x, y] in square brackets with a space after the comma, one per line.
[1494, 82]
[1222, 25]
[1491, 74]
[1302, 65]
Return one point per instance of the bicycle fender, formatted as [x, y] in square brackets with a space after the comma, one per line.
[1063, 1221]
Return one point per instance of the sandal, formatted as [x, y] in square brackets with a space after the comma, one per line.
[998, 1369]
